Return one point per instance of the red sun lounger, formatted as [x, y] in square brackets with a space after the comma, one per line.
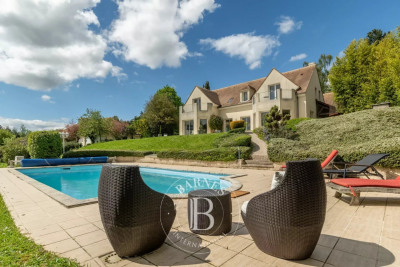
[328, 160]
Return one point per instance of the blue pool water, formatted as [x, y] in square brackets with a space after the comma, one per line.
[81, 182]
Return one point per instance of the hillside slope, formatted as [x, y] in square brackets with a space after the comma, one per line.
[355, 135]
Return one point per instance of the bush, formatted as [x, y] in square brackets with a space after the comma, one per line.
[215, 123]
[45, 144]
[354, 135]
[260, 132]
[5, 134]
[217, 154]
[232, 140]
[237, 130]
[71, 146]
[15, 147]
[292, 124]
[237, 124]
[108, 153]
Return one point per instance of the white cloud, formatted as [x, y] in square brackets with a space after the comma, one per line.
[45, 43]
[341, 54]
[246, 46]
[298, 57]
[149, 32]
[47, 98]
[287, 25]
[33, 125]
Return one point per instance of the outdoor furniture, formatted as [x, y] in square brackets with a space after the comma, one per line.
[15, 162]
[286, 222]
[360, 167]
[210, 212]
[331, 157]
[354, 187]
[136, 218]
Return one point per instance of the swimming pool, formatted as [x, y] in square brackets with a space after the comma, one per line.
[81, 182]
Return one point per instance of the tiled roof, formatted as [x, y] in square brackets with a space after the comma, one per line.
[300, 77]
[230, 95]
[329, 99]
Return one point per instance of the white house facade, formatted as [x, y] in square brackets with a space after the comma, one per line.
[297, 92]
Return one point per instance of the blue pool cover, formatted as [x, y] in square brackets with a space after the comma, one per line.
[66, 161]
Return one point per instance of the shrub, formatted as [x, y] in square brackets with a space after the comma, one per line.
[215, 123]
[71, 145]
[217, 154]
[15, 147]
[237, 130]
[108, 153]
[237, 124]
[232, 140]
[4, 134]
[292, 124]
[354, 135]
[45, 144]
[260, 132]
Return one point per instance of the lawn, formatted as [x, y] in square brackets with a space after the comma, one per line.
[198, 142]
[354, 135]
[18, 250]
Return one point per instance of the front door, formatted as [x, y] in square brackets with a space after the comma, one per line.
[188, 127]
[246, 122]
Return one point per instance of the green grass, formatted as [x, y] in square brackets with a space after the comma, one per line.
[354, 135]
[18, 250]
[3, 165]
[198, 142]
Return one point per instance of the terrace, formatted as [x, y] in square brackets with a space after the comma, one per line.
[365, 235]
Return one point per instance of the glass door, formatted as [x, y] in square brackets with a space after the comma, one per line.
[189, 127]
[246, 122]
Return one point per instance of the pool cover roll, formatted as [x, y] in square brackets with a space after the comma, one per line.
[66, 161]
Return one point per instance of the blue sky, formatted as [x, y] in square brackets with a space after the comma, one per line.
[58, 58]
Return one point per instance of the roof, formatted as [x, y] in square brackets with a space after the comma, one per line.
[230, 95]
[329, 99]
[301, 77]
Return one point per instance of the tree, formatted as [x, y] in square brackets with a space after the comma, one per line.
[207, 85]
[93, 125]
[140, 127]
[376, 35]
[118, 128]
[160, 115]
[5, 134]
[72, 129]
[215, 123]
[323, 66]
[171, 94]
[274, 121]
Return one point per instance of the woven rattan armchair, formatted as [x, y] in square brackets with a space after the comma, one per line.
[136, 218]
[286, 222]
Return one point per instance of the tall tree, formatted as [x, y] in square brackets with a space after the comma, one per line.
[207, 85]
[93, 125]
[171, 94]
[376, 35]
[323, 66]
[160, 115]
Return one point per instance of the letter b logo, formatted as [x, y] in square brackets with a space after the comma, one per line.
[198, 215]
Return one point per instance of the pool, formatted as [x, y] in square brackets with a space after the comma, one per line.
[81, 182]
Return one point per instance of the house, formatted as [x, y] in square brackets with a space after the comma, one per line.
[297, 92]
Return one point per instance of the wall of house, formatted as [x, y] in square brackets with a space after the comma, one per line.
[236, 112]
[313, 93]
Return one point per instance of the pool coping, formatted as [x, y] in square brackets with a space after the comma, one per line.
[70, 202]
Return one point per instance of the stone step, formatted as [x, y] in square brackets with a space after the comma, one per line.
[259, 162]
[260, 157]
[257, 166]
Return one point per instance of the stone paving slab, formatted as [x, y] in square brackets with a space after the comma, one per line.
[365, 235]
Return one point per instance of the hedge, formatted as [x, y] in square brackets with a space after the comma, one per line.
[44, 144]
[14, 147]
[354, 135]
[217, 154]
[109, 153]
[233, 140]
[236, 124]
[237, 130]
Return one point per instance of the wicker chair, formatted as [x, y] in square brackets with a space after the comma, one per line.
[136, 218]
[286, 222]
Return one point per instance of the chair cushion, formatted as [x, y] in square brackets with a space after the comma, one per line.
[277, 179]
[329, 158]
[355, 182]
[244, 207]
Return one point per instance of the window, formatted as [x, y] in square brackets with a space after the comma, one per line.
[246, 122]
[263, 120]
[198, 101]
[286, 112]
[227, 125]
[188, 127]
[254, 99]
[273, 91]
[245, 96]
[203, 126]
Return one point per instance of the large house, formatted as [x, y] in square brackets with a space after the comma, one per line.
[297, 92]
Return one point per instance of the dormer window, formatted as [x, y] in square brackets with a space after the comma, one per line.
[245, 96]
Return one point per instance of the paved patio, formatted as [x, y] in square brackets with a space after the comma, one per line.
[366, 235]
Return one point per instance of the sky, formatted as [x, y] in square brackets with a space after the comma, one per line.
[58, 58]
